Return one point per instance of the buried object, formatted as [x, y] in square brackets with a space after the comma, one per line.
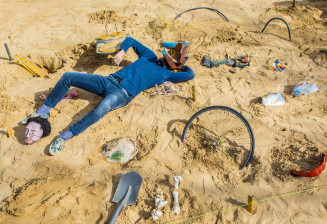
[74, 94]
[305, 87]
[23, 62]
[167, 88]
[238, 61]
[126, 192]
[289, 31]
[312, 173]
[225, 128]
[37, 128]
[119, 150]
[277, 66]
[273, 99]
[214, 10]
[110, 43]
[175, 56]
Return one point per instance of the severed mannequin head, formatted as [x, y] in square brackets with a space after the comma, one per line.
[37, 128]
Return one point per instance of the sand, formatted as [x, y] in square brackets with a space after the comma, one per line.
[77, 185]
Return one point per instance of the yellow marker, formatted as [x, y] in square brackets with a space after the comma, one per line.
[193, 93]
[250, 204]
[10, 131]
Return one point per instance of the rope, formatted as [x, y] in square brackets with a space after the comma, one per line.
[6, 120]
[258, 201]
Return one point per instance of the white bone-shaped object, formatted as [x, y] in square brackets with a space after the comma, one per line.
[159, 194]
[155, 214]
[176, 209]
[177, 180]
[160, 203]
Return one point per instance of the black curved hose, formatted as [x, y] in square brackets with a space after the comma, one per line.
[289, 31]
[220, 13]
[246, 123]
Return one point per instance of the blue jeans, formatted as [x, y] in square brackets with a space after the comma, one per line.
[115, 96]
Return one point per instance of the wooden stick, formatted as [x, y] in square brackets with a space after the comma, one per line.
[293, 5]
[250, 204]
[193, 93]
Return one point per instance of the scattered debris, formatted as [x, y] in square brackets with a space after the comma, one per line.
[159, 203]
[167, 88]
[10, 131]
[177, 180]
[160, 200]
[305, 87]
[110, 43]
[176, 209]
[312, 173]
[277, 66]
[119, 150]
[156, 214]
[273, 99]
[238, 61]
[65, 98]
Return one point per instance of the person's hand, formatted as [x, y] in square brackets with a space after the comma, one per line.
[119, 57]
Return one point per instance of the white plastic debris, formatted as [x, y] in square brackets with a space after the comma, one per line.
[156, 214]
[273, 99]
[159, 200]
[119, 150]
[305, 87]
[159, 203]
[177, 180]
[176, 209]
[167, 88]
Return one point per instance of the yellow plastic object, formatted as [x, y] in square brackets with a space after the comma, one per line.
[28, 67]
[109, 48]
[31, 69]
[115, 34]
[10, 131]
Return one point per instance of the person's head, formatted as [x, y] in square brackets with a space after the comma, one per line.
[175, 57]
[37, 128]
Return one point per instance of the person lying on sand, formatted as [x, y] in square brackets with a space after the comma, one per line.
[117, 89]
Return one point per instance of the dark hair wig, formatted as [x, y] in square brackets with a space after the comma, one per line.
[45, 124]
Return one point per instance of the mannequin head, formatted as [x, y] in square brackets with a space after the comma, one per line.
[36, 129]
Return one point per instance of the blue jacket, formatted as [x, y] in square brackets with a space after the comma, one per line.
[145, 72]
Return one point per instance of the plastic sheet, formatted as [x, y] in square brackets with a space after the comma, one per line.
[273, 99]
[119, 150]
[305, 87]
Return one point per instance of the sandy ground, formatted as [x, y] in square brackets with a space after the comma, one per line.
[77, 185]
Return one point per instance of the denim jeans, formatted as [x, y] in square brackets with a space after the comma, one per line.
[115, 96]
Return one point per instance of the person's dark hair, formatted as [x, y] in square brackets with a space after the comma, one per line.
[45, 124]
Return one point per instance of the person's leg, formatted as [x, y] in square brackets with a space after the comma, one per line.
[115, 97]
[89, 82]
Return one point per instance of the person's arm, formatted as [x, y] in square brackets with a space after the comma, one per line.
[139, 49]
[182, 76]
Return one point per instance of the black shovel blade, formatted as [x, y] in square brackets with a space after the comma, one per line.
[132, 179]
